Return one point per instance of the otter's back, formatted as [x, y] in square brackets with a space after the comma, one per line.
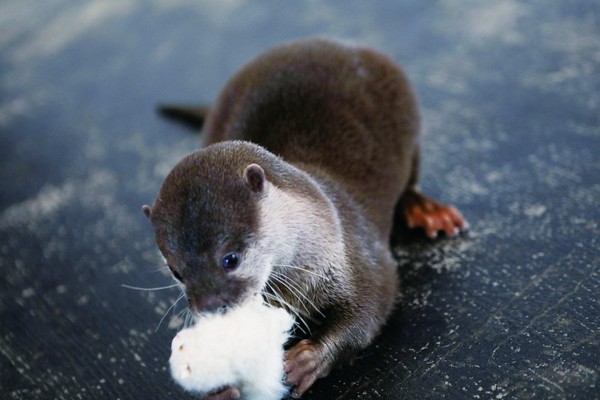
[342, 110]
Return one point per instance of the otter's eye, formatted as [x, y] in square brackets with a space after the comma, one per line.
[175, 274]
[230, 261]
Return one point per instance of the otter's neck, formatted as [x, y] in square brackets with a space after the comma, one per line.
[302, 231]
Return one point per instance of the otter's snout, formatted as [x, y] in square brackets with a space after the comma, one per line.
[208, 304]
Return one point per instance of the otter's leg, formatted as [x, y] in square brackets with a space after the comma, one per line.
[348, 326]
[420, 211]
[349, 330]
[339, 341]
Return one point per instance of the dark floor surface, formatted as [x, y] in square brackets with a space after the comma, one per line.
[510, 95]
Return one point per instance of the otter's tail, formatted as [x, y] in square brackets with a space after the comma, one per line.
[192, 117]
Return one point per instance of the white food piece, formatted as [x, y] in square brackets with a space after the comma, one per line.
[242, 348]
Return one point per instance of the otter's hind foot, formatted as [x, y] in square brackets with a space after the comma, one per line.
[420, 211]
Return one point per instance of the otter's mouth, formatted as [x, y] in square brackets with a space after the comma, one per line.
[197, 315]
[208, 305]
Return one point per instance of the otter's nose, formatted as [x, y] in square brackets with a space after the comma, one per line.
[206, 303]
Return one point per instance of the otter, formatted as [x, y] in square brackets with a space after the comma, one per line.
[311, 150]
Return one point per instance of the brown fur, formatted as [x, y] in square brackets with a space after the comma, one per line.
[345, 110]
[340, 128]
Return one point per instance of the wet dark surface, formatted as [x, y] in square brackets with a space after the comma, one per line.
[510, 93]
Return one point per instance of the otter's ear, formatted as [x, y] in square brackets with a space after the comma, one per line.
[255, 177]
[147, 210]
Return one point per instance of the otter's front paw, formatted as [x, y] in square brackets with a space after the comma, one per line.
[305, 362]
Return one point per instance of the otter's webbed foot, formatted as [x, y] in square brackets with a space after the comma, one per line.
[421, 211]
[305, 362]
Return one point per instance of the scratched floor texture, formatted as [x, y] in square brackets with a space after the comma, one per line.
[510, 95]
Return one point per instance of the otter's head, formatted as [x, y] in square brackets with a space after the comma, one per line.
[206, 223]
